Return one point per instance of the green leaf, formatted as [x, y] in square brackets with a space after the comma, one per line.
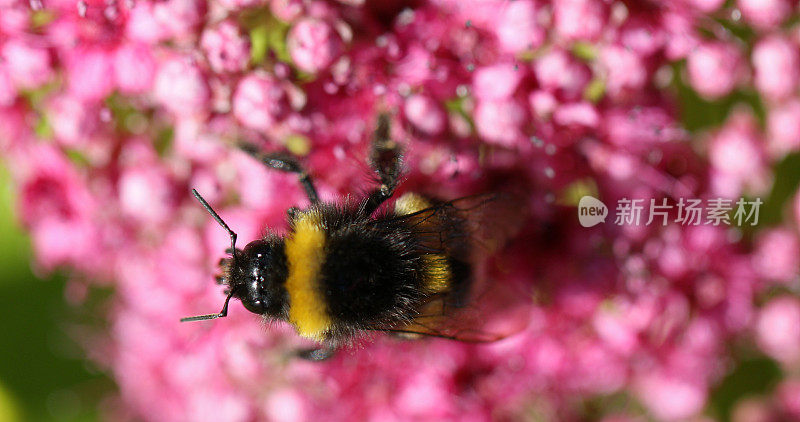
[277, 31]
[753, 376]
[77, 157]
[584, 50]
[163, 140]
[42, 129]
[595, 90]
[787, 180]
[259, 44]
[9, 409]
[698, 114]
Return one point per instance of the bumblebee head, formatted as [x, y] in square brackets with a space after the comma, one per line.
[253, 275]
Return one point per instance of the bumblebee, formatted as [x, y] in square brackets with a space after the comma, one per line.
[344, 269]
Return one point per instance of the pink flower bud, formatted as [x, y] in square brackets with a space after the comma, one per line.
[142, 25]
[764, 13]
[714, 69]
[518, 28]
[643, 37]
[286, 10]
[15, 17]
[51, 187]
[146, 194]
[737, 157]
[783, 128]
[542, 103]
[423, 112]
[27, 66]
[580, 19]
[777, 256]
[670, 397]
[777, 330]
[777, 67]
[639, 126]
[625, 70]
[61, 242]
[226, 49]
[70, 119]
[259, 102]
[496, 82]
[500, 121]
[414, 67]
[681, 34]
[181, 88]
[134, 68]
[91, 73]
[577, 114]
[179, 19]
[561, 73]
[313, 45]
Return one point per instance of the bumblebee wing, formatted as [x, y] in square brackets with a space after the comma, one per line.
[481, 223]
[468, 230]
[492, 315]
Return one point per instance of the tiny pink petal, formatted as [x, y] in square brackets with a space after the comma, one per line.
[259, 102]
[313, 45]
[783, 128]
[519, 28]
[27, 65]
[226, 49]
[425, 114]
[181, 88]
[777, 256]
[499, 122]
[560, 72]
[713, 69]
[90, 74]
[580, 19]
[764, 14]
[496, 82]
[134, 68]
[777, 67]
[777, 330]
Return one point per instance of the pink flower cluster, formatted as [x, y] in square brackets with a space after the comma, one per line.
[111, 110]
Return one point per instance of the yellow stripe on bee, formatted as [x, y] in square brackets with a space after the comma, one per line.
[410, 203]
[437, 270]
[305, 255]
[437, 273]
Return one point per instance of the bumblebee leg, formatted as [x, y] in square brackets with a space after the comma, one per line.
[386, 158]
[318, 354]
[284, 162]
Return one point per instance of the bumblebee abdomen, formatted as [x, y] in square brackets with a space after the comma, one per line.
[348, 272]
[370, 276]
[344, 274]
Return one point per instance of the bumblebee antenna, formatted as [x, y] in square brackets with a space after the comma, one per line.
[219, 220]
[222, 314]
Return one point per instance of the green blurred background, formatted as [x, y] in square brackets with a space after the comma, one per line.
[42, 374]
